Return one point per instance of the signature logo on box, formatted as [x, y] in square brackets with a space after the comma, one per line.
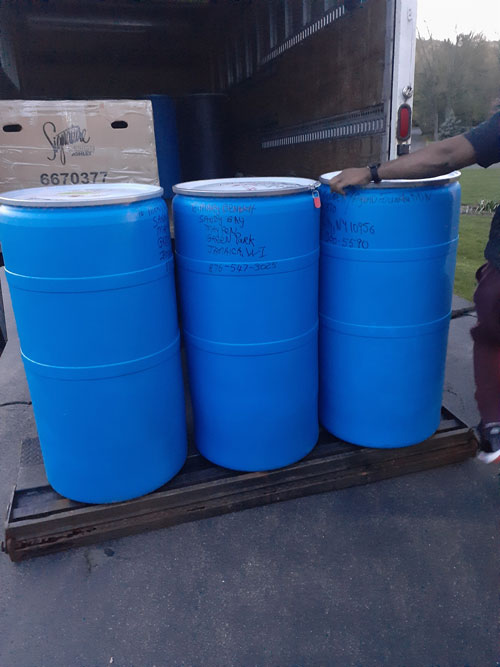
[71, 136]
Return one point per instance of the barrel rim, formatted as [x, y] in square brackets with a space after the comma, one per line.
[288, 185]
[444, 179]
[72, 196]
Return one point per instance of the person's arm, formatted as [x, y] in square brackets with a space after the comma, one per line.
[433, 160]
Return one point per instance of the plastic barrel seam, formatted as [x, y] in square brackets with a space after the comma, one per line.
[395, 331]
[105, 370]
[252, 349]
[389, 254]
[264, 267]
[90, 283]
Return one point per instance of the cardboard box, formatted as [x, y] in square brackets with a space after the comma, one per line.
[72, 142]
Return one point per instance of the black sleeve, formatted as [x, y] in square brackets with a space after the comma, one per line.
[485, 140]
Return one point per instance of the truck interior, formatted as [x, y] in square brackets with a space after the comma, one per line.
[307, 82]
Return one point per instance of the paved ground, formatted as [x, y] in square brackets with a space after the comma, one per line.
[402, 572]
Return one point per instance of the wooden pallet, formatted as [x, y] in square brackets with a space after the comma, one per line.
[40, 521]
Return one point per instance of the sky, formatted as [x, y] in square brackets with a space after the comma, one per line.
[444, 19]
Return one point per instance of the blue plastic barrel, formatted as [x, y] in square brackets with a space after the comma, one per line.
[166, 139]
[387, 266]
[247, 259]
[90, 271]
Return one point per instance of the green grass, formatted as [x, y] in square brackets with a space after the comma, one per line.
[478, 184]
[474, 230]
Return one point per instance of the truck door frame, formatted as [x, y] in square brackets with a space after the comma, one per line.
[400, 73]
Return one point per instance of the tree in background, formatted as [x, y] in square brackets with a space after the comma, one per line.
[451, 126]
[457, 85]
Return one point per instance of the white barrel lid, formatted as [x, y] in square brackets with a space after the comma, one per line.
[258, 186]
[400, 182]
[70, 196]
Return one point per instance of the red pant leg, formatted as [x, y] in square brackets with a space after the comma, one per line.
[486, 336]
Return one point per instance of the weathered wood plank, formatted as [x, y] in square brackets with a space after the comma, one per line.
[221, 481]
[40, 521]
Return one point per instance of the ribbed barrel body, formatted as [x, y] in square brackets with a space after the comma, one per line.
[248, 285]
[93, 295]
[386, 282]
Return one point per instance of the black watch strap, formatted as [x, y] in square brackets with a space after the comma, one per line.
[374, 172]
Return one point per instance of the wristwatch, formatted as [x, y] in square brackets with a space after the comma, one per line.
[374, 172]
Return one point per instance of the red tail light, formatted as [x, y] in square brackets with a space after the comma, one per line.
[404, 122]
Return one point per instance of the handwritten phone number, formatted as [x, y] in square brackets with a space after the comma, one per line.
[241, 268]
[73, 178]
